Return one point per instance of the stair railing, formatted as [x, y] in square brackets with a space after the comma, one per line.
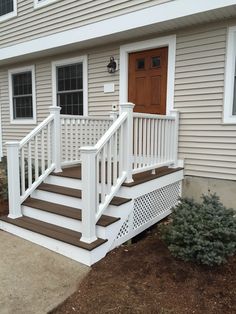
[32, 159]
[105, 166]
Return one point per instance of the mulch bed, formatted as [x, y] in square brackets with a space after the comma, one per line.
[3, 208]
[145, 278]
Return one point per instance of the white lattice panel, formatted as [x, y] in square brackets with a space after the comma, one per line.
[149, 206]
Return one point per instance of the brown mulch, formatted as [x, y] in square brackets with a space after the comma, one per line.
[144, 278]
[3, 208]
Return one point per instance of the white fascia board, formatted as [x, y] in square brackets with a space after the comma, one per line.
[155, 14]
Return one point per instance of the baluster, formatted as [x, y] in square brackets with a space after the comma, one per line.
[109, 144]
[140, 141]
[121, 145]
[49, 144]
[148, 141]
[29, 165]
[115, 152]
[159, 141]
[156, 141]
[66, 139]
[42, 152]
[162, 140]
[103, 175]
[76, 140]
[135, 142]
[152, 143]
[71, 140]
[144, 163]
[22, 170]
[36, 164]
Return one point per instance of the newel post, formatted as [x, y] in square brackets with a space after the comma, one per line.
[128, 142]
[175, 113]
[89, 194]
[56, 137]
[13, 174]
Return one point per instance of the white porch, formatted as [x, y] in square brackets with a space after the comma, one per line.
[120, 176]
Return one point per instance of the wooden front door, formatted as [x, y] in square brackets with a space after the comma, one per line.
[148, 80]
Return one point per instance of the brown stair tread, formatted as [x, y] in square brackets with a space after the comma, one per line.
[73, 172]
[116, 201]
[53, 231]
[66, 211]
[146, 176]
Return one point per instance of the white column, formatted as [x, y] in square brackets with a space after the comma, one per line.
[89, 194]
[56, 137]
[128, 143]
[175, 114]
[13, 174]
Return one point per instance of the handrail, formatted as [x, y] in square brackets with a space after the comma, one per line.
[110, 132]
[66, 116]
[35, 131]
[152, 116]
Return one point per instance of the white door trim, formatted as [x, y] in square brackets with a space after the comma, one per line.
[1, 151]
[169, 41]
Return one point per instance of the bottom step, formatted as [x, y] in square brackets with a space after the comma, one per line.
[79, 251]
[53, 231]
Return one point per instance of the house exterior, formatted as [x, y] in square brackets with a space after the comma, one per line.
[169, 55]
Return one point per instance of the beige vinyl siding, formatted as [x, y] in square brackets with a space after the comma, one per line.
[207, 145]
[62, 15]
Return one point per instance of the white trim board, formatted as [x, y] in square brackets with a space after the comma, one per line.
[1, 150]
[155, 14]
[230, 65]
[40, 4]
[170, 42]
[84, 60]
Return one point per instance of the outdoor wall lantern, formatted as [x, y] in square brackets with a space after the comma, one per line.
[112, 66]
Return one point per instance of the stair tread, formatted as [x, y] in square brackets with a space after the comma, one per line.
[53, 231]
[116, 201]
[66, 211]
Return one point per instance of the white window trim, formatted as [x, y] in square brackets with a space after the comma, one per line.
[15, 71]
[169, 41]
[39, 4]
[10, 14]
[229, 76]
[55, 64]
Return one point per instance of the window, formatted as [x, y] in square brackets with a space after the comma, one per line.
[7, 9]
[42, 3]
[22, 95]
[70, 85]
[230, 78]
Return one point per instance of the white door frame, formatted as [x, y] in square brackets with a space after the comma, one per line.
[159, 42]
[1, 152]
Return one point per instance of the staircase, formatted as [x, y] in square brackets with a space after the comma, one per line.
[89, 208]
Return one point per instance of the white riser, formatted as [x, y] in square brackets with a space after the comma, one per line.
[80, 255]
[66, 182]
[58, 198]
[60, 221]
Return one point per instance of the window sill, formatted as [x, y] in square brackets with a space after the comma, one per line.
[24, 121]
[229, 120]
[42, 4]
[8, 16]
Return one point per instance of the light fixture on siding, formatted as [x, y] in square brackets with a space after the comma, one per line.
[112, 66]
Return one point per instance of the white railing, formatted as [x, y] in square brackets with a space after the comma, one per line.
[154, 141]
[78, 131]
[32, 159]
[104, 169]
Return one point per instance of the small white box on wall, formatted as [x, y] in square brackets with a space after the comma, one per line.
[109, 88]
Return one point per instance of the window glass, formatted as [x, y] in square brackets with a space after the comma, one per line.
[140, 64]
[6, 6]
[22, 95]
[156, 62]
[70, 89]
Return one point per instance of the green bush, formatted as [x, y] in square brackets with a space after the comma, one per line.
[3, 180]
[201, 232]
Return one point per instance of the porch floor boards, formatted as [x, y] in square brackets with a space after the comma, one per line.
[74, 172]
[66, 211]
[53, 231]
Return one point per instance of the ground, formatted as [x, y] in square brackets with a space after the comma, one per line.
[144, 278]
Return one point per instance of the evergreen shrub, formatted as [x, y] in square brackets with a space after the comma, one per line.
[204, 233]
